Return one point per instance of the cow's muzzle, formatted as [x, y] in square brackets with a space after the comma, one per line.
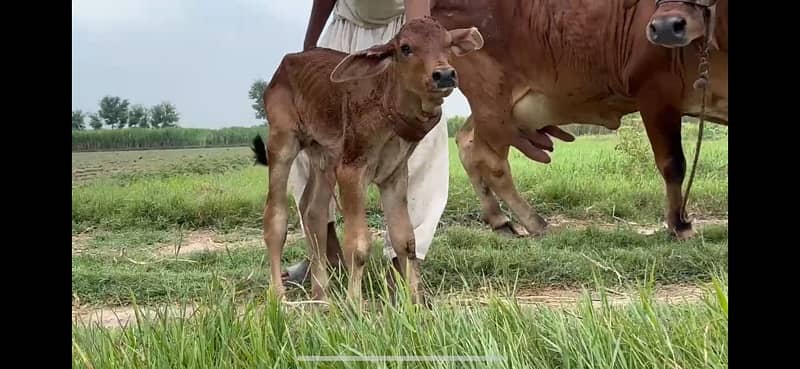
[668, 31]
[444, 78]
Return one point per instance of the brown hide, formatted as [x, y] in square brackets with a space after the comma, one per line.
[555, 62]
[358, 117]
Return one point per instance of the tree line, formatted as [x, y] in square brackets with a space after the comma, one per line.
[117, 113]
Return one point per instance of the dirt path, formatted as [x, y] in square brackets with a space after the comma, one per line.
[113, 317]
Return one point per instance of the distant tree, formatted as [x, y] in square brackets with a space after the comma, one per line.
[95, 122]
[78, 123]
[164, 115]
[114, 111]
[256, 94]
[453, 124]
[138, 116]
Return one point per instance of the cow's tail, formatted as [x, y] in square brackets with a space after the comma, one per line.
[260, 149]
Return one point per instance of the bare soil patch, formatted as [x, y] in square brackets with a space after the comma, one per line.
[197, 241]
[561, 223]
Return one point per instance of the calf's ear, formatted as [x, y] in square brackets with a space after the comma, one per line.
[465, 40]
[363, 64]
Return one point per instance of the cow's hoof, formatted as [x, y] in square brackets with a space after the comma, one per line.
[537, 227]
[685, 234]
[683, 231]
[511, 229]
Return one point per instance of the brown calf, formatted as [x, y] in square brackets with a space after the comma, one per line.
[359, 118]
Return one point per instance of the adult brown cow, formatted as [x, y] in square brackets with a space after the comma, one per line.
[555, 62]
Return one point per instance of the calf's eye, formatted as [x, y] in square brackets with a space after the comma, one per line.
[406, 50]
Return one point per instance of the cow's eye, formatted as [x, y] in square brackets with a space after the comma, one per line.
[406, 50]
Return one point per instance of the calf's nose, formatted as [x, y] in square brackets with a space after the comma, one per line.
[669, 30]
[444, 77]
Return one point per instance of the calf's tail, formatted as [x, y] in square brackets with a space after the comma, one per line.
[260, 150]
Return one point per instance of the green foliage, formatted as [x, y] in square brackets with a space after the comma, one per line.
[586, 129]
[139, 116]
[114, 111]
[256, 93]
[164, 115]
[176, 137]
[95, 122]
[453, 124]
[78, 123]
[635, 146]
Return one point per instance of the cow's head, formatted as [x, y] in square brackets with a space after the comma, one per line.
[418, 55]
[677, 23]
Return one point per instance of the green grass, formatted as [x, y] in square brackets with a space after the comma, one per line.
[125, 167]
[263, 334]
[140, 201]
[132, 209]
[588, 179]
[117, 267]
[162, 138]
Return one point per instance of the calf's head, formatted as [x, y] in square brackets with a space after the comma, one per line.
[677, 23]
[418, 56]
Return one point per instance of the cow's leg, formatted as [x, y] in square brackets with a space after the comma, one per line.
[473, 162]
[282, 149]
[401, 232]
[663, 125]
[357, 238]
[498, 175]
[314, 209]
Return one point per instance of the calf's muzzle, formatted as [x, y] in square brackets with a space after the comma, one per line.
[444, 78]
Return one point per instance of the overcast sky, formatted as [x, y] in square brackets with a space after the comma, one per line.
[201, 55]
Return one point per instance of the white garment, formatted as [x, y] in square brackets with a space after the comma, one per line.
[370, 13]
[428, 172]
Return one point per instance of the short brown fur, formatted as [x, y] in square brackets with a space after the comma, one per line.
[359, 118]
[553, 62]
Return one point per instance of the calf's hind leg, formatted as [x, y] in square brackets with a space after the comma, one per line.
[282, 148]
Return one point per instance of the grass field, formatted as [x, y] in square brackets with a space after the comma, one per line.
[159, 227]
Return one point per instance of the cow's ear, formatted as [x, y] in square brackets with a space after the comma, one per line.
[627, 4]
[363, 64]
[465, 40]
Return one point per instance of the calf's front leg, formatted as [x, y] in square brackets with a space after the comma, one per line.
[357, 238]
[394, 193]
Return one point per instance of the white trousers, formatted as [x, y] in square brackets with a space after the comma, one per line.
[428, 173]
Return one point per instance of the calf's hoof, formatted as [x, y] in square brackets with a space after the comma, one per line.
[511, 229]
